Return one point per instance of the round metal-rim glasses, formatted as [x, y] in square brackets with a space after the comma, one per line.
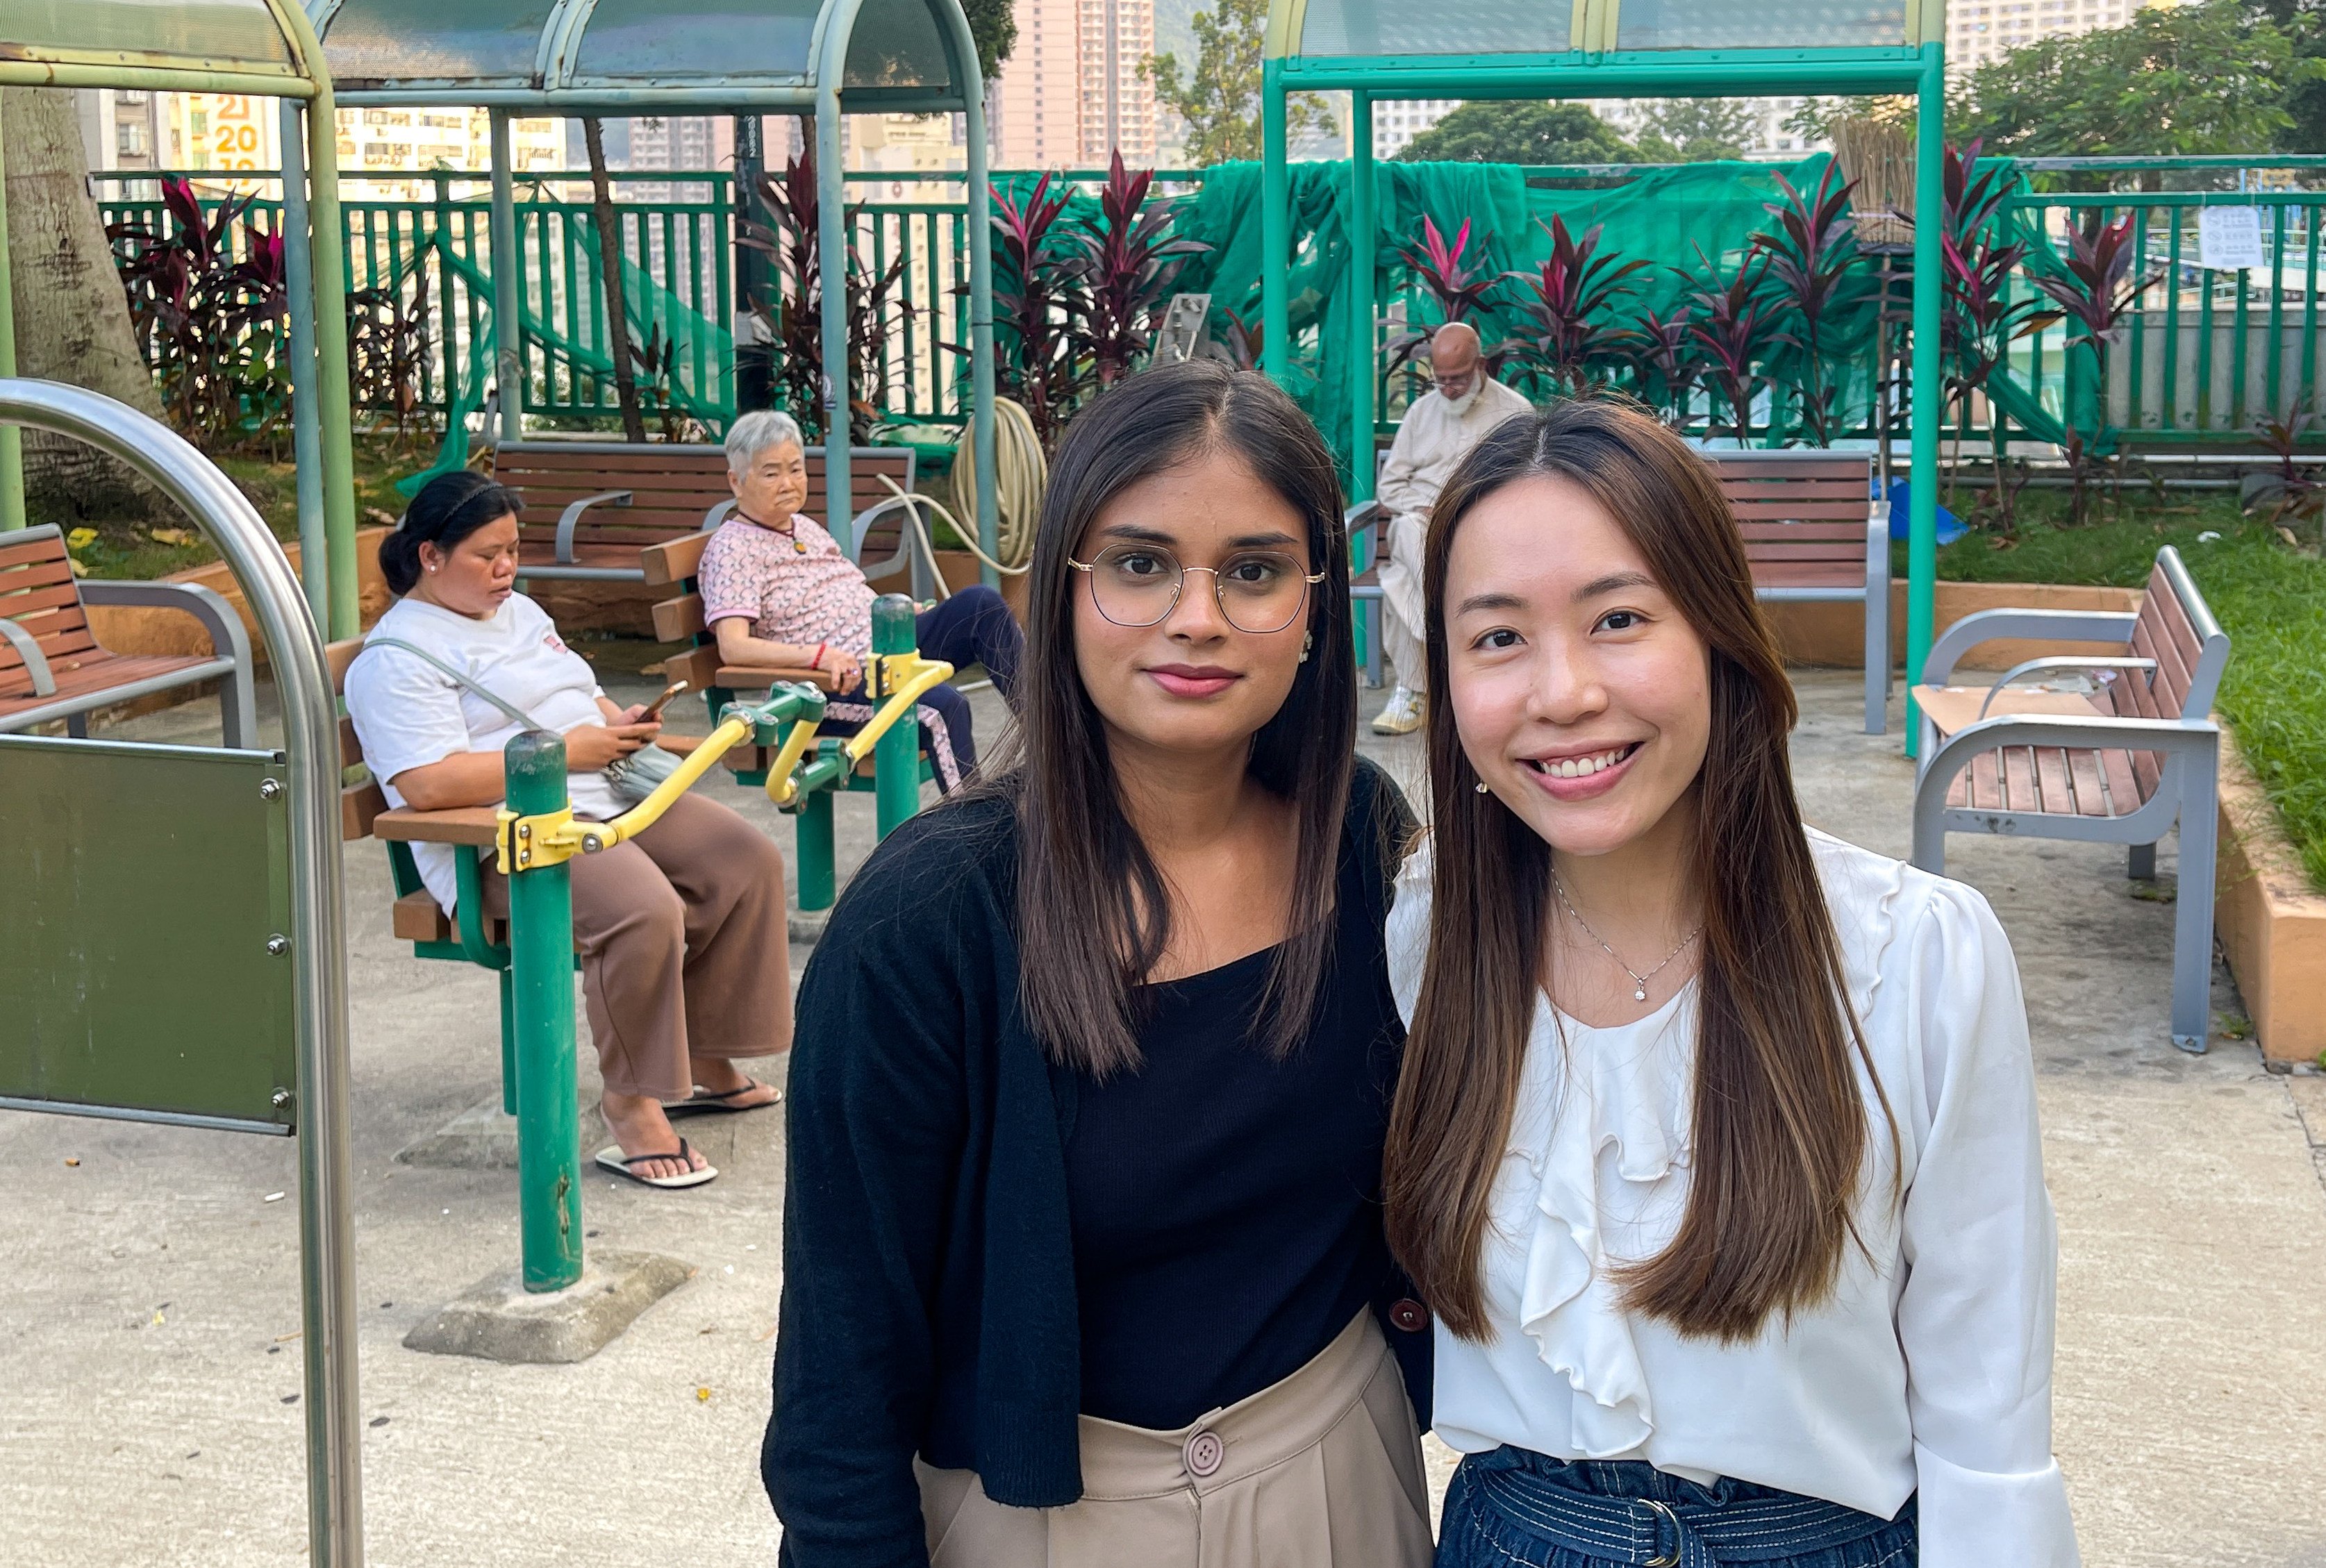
[1257, 591]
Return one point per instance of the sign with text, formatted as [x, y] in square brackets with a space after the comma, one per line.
[2230, 237]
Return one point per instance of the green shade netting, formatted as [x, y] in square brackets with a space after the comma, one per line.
[1685, 220]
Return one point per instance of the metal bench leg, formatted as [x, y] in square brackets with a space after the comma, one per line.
[1878, 661]
[2192, 912]
[1376, 611]
[77, 725]
[238, 709]
[2141, 864]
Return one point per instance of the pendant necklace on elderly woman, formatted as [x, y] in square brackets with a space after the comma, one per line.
[1639, 982]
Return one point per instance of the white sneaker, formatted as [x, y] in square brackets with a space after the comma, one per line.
[1402, 713]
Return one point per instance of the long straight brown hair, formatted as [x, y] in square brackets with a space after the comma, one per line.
[1779, 1126]
[1093, 914]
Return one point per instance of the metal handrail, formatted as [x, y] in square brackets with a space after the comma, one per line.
[295, 650]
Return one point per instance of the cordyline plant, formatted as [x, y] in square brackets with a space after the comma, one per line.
[1979, 317]
[1125, 270]
[1808, 259]
[1038, 297]
[795, 311]
[1563, 336]
[1664, 350]
[2094, 291]
[2289, 492]
[1732, 329]
[1458, 279]
[389, 350]
[208, 301]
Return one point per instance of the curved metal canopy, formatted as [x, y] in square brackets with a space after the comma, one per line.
[1477, 30]
[156, 43]
[621, 56]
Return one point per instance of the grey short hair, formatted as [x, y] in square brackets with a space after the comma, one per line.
[755, 432]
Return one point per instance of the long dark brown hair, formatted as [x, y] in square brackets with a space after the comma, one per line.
[1094, 915]
[1779, 1126]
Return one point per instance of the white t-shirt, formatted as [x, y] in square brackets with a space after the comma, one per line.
[409, 714]
[1930, 1370]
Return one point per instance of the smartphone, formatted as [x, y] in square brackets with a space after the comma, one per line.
[654, 708]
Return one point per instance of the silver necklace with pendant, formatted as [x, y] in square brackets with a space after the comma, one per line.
[1639, 982]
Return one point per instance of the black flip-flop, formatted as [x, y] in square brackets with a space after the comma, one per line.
[612, 1158]
[704, 1103]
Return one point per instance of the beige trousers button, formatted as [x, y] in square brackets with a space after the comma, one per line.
[1204, 1452]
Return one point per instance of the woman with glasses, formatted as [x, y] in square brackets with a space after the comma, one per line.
[1082, 1255]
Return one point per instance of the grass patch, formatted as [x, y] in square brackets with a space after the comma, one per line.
[137, 551]
[2270, 597]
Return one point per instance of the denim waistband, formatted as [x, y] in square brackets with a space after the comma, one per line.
[1627, 1511]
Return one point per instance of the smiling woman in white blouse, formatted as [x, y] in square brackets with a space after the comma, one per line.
[1715, 1150]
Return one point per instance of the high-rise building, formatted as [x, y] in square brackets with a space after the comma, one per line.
[1074, 90]
[1979, 30]
[1398, 121]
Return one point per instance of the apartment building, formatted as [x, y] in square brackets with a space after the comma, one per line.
[1073, 90]
[1979, 30]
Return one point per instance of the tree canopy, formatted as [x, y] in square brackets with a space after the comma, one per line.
[994, 24]
[1220, 98]
[1696, 130]
[1519, 131]
[2179, 81]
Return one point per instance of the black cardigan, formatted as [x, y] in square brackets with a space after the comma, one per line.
[928, 1301]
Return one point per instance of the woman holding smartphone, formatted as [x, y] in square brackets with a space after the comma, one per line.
[1715, 1149]
[1082, 1259]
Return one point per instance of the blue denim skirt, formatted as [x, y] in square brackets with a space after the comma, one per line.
[1513, 1506]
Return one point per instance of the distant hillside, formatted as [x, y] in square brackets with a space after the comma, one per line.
[1175, 29]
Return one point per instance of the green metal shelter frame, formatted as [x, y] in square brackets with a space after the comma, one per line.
[821, 58]
[1598, 49]
[265, 49]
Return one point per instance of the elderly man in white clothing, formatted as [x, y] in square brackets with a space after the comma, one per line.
[1437, 432]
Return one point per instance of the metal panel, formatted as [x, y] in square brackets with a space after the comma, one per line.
[199, 34]
[140, 887]
[1768, 24]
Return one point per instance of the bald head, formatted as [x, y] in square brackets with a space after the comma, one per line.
[1454, 350]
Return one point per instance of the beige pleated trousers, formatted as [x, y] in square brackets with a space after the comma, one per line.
[1320, 1471]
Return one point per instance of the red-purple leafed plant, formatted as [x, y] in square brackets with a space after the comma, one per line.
[1810, 257]
[794, 312]
[207, 303]
[1125, 270]
[1458, 279]
[1564, 337]
[1665, 352]
[2094, 291]
[1037, 297]
[1732, 329]
[1979, 317]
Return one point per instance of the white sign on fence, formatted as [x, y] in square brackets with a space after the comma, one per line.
[2230, 237]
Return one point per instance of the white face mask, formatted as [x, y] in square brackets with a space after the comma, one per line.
[1461, 405]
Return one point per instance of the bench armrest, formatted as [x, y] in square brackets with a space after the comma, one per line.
[477, 825]
[1988, 626]
[570, 518]
[238, 698]
[717, 514]
[36, 663]
[1364, 514]
[2058, 661]
[860, 526]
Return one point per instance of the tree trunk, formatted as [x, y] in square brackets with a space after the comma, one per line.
[73, 318]
[609, 268]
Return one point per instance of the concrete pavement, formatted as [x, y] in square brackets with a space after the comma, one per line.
[151, 1369]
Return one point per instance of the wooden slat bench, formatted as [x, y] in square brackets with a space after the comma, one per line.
[1813, 531]
[2119, 765]
[591, 506]
[51, 665]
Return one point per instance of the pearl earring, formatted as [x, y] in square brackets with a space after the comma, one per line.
[1308, 641]
[1482, 786]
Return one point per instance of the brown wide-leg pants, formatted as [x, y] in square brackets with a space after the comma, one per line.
[685, 947]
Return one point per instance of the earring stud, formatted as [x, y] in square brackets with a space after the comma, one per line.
[1482, 786]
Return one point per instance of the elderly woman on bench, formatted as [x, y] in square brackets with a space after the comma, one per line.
[779, 593]
[685, 966]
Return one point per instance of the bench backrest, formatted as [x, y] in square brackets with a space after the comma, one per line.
[359, 804]
[672, 486]
[37, 592]
[2175, 627]
[1802, 514]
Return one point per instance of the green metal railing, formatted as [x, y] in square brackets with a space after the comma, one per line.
[2204, 355]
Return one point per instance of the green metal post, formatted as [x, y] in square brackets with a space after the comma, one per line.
[508, 268]
[507, 977]
[896, 756]
[1361, 281]
[832, 231]
[306, 417]
[812, 849]
[975, 218]
[329, 252]
[1922, 522]
[12, 438]
[541, 952]
[1275, 228]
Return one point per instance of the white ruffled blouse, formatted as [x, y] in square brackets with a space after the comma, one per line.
[1929, 1371]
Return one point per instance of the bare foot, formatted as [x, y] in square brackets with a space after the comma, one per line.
[639, 1125]
[718, 1075]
